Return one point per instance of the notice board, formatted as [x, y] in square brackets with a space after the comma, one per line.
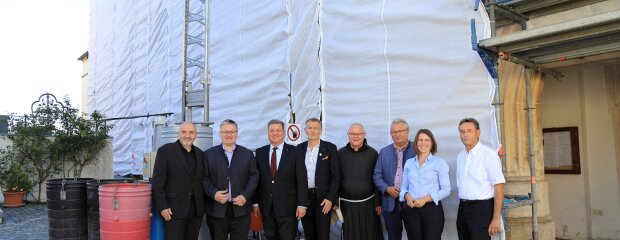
[561, 149]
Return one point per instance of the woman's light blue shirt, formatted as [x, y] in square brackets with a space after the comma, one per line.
[432, 178]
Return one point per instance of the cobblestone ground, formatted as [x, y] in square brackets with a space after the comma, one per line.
[27, 222]
[30, 222]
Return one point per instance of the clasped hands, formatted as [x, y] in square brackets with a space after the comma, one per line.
[221, 196]
[417, 202]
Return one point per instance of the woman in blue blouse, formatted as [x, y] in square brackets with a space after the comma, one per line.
[426, 182]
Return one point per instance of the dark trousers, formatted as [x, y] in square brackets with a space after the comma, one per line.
[183, 228]
[238, 227]
[280, 228]
[473, 219]
[315, 222]
[394, 221]
[425, 223]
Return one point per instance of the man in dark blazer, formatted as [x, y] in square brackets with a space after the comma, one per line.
[177, 185]
[323, 181]
[283, 186]
[230, 179]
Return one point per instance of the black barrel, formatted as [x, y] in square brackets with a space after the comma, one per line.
[66, 208]
[92, 204]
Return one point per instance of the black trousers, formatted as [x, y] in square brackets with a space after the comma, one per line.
[394, 220]
[315, 222]
[425, 223]
[473, 219]
[237, 227]
[183, 228]
[280, 228]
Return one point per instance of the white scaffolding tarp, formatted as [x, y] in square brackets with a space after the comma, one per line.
[249, 66]
[135, 68]
[345, 61]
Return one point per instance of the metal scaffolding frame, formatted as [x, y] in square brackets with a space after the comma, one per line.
[542, 49]
[196, 16]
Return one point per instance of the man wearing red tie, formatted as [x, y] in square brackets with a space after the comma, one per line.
[282, 194]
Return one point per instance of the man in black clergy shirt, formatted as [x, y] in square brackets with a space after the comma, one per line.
[230, 180]
[177, 185]
[283, 185]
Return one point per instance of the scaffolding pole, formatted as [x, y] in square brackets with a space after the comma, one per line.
[530, 139]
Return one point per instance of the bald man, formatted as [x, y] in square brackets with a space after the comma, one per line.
[177, 185]
[359, 198]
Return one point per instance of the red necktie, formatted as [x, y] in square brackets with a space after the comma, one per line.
[274, 163]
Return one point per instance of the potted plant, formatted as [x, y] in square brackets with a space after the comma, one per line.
[14, 180]
[15, 184]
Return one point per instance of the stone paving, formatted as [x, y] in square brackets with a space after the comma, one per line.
[27, 222]
[30, 222]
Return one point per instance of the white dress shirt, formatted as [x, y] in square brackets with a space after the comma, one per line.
[477, 172]
[311, 155]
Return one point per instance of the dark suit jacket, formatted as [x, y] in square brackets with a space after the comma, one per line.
[173, 184]
[327, 173]
[242, 173]
[288, 189]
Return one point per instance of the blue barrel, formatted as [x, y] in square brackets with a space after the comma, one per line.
[157, 225]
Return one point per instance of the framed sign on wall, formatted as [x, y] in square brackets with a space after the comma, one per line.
[561, 149]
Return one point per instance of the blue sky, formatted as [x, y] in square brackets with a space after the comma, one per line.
[39, 46]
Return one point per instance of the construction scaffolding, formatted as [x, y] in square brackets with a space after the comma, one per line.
[592, 38]
[195, 67]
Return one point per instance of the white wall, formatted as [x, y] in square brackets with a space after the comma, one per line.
[580, 99]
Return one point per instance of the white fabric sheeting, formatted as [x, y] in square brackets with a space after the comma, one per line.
[355, 70]
[176, 13]
[303, 58]
[122, 98]
[376, 61]
[139, 39]
[249, 67]
[401, 59]
[135, 54]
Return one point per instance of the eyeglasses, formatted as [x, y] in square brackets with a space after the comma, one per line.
[228, 132]
[399, 131]
[356, 134]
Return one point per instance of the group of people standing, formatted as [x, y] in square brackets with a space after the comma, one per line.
[404, 182]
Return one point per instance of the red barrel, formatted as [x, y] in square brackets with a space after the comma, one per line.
[125, 211]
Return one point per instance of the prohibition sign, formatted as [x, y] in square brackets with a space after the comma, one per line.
[293, 132]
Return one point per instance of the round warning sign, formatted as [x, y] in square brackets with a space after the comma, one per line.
[293, 132]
